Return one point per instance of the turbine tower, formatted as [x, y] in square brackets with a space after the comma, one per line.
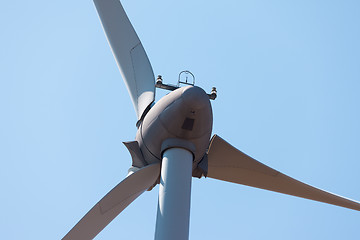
[173, 143]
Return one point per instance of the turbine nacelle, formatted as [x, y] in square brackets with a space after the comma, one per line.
[183, 118]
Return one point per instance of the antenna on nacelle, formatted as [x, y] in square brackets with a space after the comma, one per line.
[185, 77]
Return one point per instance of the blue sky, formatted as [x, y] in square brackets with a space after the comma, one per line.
[288, 80]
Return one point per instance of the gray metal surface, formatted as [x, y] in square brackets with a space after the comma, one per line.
[114, 203]
[229, 164]
[138, 160]
[129, 53]
[173, 213]
[184, 113]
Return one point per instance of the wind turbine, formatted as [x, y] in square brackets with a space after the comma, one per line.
[173, 144]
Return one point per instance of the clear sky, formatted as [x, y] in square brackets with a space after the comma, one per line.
[288, 80]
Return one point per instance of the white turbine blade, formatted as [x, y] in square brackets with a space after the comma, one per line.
[129, 53]
[229, 164]
[114, 203]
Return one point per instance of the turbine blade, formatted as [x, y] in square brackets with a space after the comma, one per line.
[129, 53]
[229, 164]
[114, 203]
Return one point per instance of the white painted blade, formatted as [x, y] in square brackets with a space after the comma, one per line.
[229, 164]
[114, 203]
[129, 53]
